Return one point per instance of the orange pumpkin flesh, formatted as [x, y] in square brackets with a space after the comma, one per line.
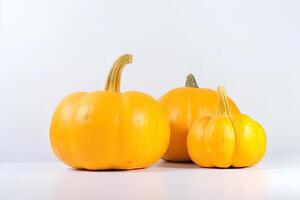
[183, 106]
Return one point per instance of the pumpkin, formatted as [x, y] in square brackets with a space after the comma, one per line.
[226, 140]
[108, 129]
[183, 106]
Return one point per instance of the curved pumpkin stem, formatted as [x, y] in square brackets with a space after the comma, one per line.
[113, 80]
[223, 101]
[191, 81]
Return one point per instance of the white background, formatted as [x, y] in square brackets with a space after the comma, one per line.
[51, 48]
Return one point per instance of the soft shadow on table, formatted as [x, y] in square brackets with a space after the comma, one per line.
[177, 165]
[161, 165]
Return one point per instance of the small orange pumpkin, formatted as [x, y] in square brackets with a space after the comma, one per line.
[110, 130]
[183, 106]
[225, 140]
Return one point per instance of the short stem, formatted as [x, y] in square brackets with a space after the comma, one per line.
[223, 101]
[113, 80]
[191, 81]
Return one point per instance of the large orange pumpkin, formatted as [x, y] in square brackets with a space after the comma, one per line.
[108, 129]
[183, 106]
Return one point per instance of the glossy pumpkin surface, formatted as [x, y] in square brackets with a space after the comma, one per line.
[226, 140]
[110, 130]
[183, 106]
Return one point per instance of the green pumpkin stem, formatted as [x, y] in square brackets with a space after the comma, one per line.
[191, 81]
[113, 80]
[223, 101]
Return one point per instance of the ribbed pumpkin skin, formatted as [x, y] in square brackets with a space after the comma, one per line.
[183, 106]
[108, 130]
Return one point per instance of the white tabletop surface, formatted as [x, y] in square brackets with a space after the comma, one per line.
[53, 180]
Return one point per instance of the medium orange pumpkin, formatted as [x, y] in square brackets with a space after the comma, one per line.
[108, 129]
[183, 106]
